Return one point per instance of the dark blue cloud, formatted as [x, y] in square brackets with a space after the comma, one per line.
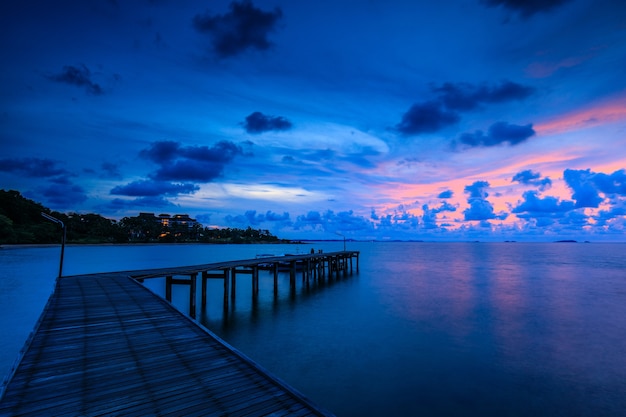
[63, 196]
[604, 217]
[465, 96]
[480, 208]
[534, 206]
[446, 194]
[244, 27]
[275, 217]
[251, 218]
[614, 183]
[583, 186]
[258, 122]
[528, 177]
[161, 151]
[329, 221]
[32, 167]
[426, 117]
[477, 190]
[79, 76]
[527, 8]
[189, 170]
[429, 218]
[190, 163]
[153, 189]
[110, 170]
[152, 202]
[499, 133]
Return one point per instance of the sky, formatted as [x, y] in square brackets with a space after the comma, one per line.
[409, 120]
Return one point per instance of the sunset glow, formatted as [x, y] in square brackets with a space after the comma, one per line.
[402, 120]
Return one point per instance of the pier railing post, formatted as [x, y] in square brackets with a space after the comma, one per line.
[204, 288]
[168, 288]
[226, 282]
[192, 295]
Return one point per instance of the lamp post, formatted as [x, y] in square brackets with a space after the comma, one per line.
[344, 240]
[54, 219]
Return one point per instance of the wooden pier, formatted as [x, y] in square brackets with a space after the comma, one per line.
[312, 267]
[106, 345]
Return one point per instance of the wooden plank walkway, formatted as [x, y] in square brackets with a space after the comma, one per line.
[106, 345]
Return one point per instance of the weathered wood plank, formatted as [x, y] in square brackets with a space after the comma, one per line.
[106, 345]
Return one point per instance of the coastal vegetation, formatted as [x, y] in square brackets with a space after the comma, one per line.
[21, 222]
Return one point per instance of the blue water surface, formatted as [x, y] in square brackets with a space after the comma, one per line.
[433, 329]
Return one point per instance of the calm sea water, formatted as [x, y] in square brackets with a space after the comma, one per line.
[432, 329]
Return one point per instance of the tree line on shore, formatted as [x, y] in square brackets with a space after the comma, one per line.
[21, 222]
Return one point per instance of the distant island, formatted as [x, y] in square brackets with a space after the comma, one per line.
[21, 222]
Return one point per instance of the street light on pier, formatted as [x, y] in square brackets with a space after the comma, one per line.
[54, 219]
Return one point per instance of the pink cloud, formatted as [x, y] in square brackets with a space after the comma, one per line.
[546, 69]
[609, 111]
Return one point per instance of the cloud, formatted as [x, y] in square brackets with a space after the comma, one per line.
[465, 96]
[258, 122]
[110, 170]
[161, 152]
[480, 208]
[446, 194]
[32, 167]
[190, 163]
[582, 183]
[429, 218]
[329, 221]
[244, 27]
[153, 188]
[614, 183]
[499, 133]
[427, 117]
[534, 206]
[63, 196]
[586, 185]
[118, 204]
[527, 8]
[79, 76]
[455, 98]
[529, 177]
[275, 217]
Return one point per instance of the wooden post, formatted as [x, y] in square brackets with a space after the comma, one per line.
[292, 274]
[226, 282]
[255, 278]
[168, 288]
[204, 288]
[192, 295]
[233, 288]
[275, 267]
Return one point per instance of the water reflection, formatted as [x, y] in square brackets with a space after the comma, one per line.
[424, 329]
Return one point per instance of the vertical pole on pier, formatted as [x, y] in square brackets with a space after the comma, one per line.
[192, 295]
[168, 288]
[233, 283]
[255, 279]
[357, 262]
[204, 280]
[292, 274]
[275, 268]
[226, 282]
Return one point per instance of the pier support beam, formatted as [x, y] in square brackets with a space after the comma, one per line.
[192, 295]
[168, 288]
